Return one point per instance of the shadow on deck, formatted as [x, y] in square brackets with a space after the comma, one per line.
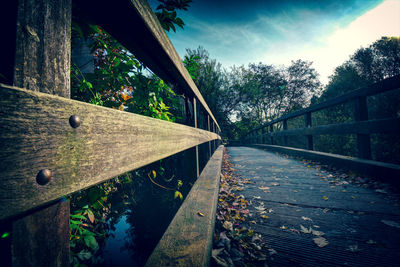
[361, 225]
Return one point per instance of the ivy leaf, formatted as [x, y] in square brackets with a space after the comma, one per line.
[90, 216]
[178, 194]
[84, 255]
[91, 242]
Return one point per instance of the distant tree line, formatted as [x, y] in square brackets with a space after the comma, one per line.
[246, 97]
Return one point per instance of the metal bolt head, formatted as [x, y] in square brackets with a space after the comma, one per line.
[74, 121]
[44, 176]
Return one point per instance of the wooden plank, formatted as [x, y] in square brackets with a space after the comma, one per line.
[387, 126]
[35, 134]
[188, 239]
[140, 32]
[376, 88]
[42, 63]
[385, 172]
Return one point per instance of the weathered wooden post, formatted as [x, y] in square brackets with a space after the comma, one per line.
[42, 63]
[363, 140]
[262, 135]
[308, 123]
[208, 128]
[271, 130]
[285, 138]
[195, 126]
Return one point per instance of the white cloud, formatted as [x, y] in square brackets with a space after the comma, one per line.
[332, 50]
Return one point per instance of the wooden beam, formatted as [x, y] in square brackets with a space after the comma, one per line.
[35, 134]
[386, 126]
[188, 239]
[140, 32]
[42, 63]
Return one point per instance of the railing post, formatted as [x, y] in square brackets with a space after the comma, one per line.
[208, 128]
[42, 63]
[285, 138]
[195, 126]
[363, 140]
[263, 135]
[271, 130]
[308, 123]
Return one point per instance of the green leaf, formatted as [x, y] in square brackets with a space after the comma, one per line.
[84, 255]
[90, 216]
[178, 194]
[77, 216]
[75, 222]
[6, 234]
[91, 242]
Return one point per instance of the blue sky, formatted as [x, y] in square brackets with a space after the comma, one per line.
[276, 32]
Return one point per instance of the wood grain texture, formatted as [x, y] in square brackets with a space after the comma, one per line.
[42, 63]
[385, 172]
[188, 239]
[35, 134]
[139, 30]
[40, 239]
[382, 126]
[43, 46]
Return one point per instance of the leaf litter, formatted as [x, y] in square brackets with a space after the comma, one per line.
[234, 243]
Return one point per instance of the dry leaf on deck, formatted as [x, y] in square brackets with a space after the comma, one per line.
[305, 230]
[320, 241]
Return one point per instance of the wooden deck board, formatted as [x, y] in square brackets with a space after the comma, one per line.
[353, 219]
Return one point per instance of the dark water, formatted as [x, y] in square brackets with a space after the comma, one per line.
[142, 211]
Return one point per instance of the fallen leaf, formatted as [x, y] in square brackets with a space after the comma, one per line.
[264, 216]
[381, 191]
[253, 222]
[391, 223]
[264, 188]
[283, 227]
[316, 226]
[272, 251]
[325, 197]
[320, 241]
[257, 197]
[325, 210]
[228, 225]
[353, 248]
[305, 230]
[274, 184]
[294, 230]
[200, 214]
[317, 233]
[260, 208]
[306, 218]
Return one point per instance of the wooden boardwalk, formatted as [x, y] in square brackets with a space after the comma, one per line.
[361, 225]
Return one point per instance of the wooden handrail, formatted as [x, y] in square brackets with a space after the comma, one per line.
[377, 88]
[361, 126]
[139, 30]
[36, 134]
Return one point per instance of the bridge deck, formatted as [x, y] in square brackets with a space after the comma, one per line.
[361, 225]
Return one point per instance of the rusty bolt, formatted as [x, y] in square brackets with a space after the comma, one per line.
[74, 121]
[44, 176]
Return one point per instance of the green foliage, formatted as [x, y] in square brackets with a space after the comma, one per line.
[119, 81]
[167, 15]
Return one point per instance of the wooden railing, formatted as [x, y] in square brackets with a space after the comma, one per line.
[361, 126]
[52, 146]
